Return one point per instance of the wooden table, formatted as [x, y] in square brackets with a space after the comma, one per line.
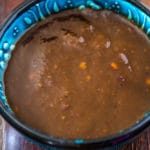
[10, 139]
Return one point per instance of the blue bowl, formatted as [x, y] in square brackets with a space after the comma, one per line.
[24, 18]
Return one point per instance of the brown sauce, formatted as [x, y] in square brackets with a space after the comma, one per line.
[80, 74]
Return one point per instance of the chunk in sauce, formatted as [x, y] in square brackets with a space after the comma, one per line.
[80, 74]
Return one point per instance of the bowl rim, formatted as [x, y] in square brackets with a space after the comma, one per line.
[114, 139]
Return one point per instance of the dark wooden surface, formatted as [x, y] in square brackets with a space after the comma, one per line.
[10, 139]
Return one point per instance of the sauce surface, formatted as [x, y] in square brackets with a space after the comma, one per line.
[80, 74]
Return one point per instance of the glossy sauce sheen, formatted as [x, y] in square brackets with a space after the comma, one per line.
[80, 74]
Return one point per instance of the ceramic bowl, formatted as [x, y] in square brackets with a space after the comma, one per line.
[23, 18]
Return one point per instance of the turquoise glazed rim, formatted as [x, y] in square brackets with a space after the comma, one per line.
[26, 16]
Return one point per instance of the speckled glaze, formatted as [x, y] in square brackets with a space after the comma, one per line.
[25, 17]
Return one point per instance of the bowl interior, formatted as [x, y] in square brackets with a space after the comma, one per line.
[33, 11]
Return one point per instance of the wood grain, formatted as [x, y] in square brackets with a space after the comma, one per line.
[10, 139]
